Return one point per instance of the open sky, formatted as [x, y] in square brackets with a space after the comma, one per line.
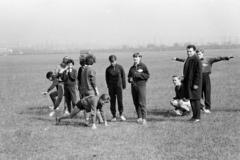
[107, 23]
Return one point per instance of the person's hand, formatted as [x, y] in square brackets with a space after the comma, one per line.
[140, 70]
[195, 86]
[44, 93]
[174, 58]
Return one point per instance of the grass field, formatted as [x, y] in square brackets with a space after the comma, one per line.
[27, 132]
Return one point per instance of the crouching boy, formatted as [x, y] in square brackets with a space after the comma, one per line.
[180, 104]
[91, 104]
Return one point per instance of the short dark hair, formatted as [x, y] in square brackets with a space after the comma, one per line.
[137, 54]
[112, 58]
[82, 59]
[90, 59]
[70, 61]
[191, 46]
[49, 74]
[175, 76]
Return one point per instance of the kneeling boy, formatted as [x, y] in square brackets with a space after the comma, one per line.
[181, 105]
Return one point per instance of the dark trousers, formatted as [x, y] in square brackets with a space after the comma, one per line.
[57, 96]
[206, 90]
[195, 104]
[70, 96]
[115, 93]
[139, 99]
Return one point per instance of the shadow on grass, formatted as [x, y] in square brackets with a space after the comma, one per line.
[38, 110]
[161, 112]
[226, 110]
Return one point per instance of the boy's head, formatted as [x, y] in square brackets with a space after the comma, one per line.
[70, 63]
[90, 59]
[191, 50]
[104, 98]
[176, 80]
[82, 59]
[49, 75]
[200, 53]
[112, 59]
[137, 58]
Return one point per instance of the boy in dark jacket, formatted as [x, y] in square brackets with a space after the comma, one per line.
[56, 96]
[69, 78]
[192, 81]
[116, 82]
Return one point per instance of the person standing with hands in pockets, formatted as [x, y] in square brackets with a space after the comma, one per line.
[138, 76]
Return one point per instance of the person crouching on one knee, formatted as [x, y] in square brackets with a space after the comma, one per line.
[91, 104]
[180, 104]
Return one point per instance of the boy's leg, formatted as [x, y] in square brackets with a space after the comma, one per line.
[135, 101]
[53, 96]
[71, 115]
[185, 105]
[119, 100]
[208, 93]
[112, 95]
[142, 101]
[59, 97]
[67, 99]
[99, 117]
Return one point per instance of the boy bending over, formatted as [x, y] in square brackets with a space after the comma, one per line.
[91, 104]
[180, 104]
[56, 96]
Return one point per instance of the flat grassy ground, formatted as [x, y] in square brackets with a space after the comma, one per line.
[27, 132]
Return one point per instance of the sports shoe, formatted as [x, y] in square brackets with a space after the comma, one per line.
[114, 119]
[66, 113]
[51, 114]
[206, 110]
[139, 120]
[144, 122]
[51, 107]
[196, 120]
[122, 118]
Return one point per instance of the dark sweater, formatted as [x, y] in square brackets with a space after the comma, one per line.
[115, 76]
[69, 78]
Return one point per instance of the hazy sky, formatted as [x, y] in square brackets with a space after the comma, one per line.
[105, 23]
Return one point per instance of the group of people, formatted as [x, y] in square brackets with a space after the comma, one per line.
[194, 88]
[65, 78]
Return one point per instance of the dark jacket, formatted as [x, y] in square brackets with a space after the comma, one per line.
[139, 78]
[70, 78]
[115, 76]
[192, 73]
[179, 91]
